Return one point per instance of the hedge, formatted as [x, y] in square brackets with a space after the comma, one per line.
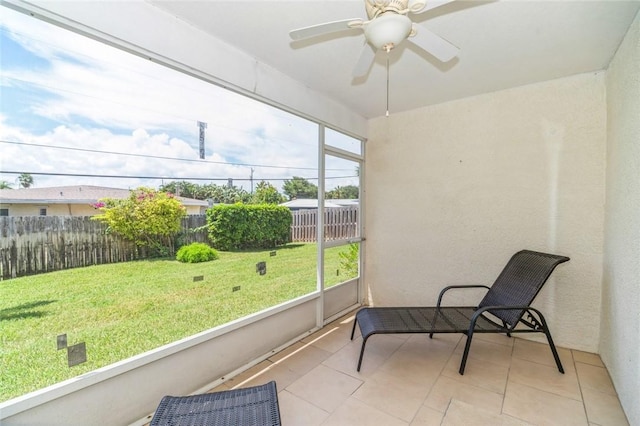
[245, 226]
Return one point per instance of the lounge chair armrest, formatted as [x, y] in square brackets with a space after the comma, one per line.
[452, 287]
[484, 309]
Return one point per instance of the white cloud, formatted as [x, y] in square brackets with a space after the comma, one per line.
[108, 100]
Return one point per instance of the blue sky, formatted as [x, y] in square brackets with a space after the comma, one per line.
[18, 96]
[62, 89]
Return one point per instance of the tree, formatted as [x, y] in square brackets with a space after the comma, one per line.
[183, 189]
[4, 184]
[225, 194]
[219, 194]
[147, 218]
[266, 193]
[299, 187]
[351, 192]
[26, 180]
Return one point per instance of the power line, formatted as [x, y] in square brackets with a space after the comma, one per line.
[195, 83]
[141, 108]
[10, 172]
[158, 157]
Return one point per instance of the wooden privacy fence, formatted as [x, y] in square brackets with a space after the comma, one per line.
[339, 223]
[36, 244]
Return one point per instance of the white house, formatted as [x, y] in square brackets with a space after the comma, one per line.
[75, 200]
[308, 203]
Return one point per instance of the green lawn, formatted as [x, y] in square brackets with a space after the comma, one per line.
[124, 309]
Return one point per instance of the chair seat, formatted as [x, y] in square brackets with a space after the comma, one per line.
[395, 320]
[252, 406]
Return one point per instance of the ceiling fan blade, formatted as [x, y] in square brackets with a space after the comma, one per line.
[365, 61]
[430, 5]
[326, 28]
[434, 44]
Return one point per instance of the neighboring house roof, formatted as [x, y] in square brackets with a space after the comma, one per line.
[305, 203]
[76, 194]
[345, 202]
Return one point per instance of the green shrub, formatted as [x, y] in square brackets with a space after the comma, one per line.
[349, 260]
[241, 226]
[147, 218]
[195, 253]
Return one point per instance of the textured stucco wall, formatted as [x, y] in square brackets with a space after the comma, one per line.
[620, 344]
[455, 189]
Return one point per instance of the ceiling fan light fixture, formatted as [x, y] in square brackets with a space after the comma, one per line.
[388, 30]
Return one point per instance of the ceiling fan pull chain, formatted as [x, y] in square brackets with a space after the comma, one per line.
[387, 83]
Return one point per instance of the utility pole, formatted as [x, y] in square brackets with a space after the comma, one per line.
[201, 127]
[251, 178]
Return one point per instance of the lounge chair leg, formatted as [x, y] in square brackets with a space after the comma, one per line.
[554, 351]
[435, 317]
[353, 330]
[467, 346]
[541, 325]
[364, 342]
[551, 344]
[504, 324]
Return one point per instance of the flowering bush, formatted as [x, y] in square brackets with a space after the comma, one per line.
[147, 218]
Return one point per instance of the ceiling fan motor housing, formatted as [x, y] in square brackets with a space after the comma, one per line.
[378, 7]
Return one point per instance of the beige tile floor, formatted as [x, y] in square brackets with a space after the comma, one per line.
[413, 380]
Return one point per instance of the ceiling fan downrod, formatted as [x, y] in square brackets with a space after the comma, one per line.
[388, 83]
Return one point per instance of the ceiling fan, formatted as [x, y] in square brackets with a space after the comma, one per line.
[387, 27]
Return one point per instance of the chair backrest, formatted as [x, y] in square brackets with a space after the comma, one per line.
[520, 282]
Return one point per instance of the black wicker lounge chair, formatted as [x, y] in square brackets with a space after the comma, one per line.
[252, 406]
[508, 301]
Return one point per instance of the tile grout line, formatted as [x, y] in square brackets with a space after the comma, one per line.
[444, 365]
[506, 383]
[575, 368]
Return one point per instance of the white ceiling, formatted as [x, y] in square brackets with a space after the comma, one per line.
[503, 44]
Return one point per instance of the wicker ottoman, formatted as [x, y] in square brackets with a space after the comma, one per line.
[253, 406]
